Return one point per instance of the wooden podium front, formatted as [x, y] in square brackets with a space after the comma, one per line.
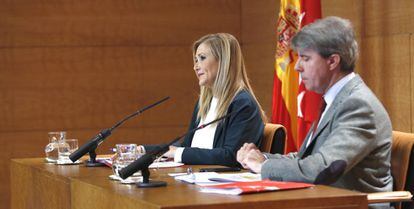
[37, 185]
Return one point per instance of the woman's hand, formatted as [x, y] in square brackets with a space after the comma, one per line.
[171, 152]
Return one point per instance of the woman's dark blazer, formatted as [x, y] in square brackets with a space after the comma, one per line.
[244, 125]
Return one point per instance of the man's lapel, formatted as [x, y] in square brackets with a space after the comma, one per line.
[342, 95]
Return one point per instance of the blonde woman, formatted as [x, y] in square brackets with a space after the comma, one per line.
[224, 88]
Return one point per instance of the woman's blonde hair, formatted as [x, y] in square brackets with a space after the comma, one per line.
[231, 76]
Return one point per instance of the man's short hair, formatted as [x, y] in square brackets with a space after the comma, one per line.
[327, 36]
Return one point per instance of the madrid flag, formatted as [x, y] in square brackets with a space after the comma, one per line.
[292, 105]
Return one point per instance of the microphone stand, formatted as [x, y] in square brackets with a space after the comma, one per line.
[142, 163]
[92, 144]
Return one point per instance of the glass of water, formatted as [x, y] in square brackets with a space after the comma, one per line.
[65, 148]
[125, 155]
[51, 149]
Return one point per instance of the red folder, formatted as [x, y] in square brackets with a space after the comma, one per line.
[237, 188]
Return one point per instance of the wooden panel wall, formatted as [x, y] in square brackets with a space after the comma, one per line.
[410, 115]
[385, 30]
[82, 65]
[258, 42]
[383, 54]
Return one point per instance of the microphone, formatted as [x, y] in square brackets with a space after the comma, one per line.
[91, 145]
[142, 163]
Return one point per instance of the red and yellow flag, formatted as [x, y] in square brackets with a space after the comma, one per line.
[293, 106]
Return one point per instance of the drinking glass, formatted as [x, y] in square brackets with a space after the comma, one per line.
[51, 149]
[125, 154]
[65, 148]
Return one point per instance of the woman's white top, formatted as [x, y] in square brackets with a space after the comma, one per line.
[203, 138]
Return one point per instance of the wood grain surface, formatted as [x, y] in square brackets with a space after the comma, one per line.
[91, 188]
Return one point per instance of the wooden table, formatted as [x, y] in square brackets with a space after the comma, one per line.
[35, 184]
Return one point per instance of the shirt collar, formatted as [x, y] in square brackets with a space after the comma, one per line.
[334, 90]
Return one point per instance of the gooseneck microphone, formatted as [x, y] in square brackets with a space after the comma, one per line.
[142, 163]
[93, 143]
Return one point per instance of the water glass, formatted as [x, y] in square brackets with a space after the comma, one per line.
[125, 155]
[65, 148]
[51, 149]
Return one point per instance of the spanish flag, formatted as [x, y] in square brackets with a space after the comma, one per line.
[292, 105]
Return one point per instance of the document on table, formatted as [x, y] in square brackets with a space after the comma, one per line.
[165, 164]
[236, 177]
[213, 178]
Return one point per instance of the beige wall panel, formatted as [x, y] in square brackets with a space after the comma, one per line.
[374, 17]
[411, 115]
[74, 88]
[86, 89]
[385, 63]
[349, 9]
[108, 22]
[6, 150]
[75, 66]
[260, 68]
[384, 17]
[259, 20]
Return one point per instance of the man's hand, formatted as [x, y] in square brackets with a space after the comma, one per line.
[254, 160]
[250, 157]
[242, 153]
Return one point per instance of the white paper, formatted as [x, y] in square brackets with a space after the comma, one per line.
[233, 191]
[67, 162]
[213, 178]
[236, 177]
[129, 180]
[199, 178]
[167, 164]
